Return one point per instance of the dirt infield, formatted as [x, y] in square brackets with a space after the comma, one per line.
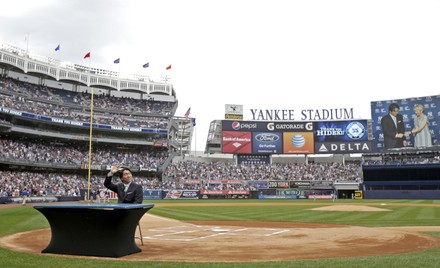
[208, 241]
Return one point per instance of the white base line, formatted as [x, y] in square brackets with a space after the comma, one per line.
[168, 233]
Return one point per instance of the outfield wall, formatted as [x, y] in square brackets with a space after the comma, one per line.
[401, 181]
[401, 194]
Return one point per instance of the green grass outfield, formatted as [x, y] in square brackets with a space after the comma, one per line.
[402, 213]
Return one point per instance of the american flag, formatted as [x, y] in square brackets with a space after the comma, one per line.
[188, 113]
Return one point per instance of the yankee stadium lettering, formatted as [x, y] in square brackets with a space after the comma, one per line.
[306, 114]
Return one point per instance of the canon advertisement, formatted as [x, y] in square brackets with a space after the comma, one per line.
[333, 137]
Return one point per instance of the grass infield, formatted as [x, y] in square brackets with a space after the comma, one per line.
[401, 213]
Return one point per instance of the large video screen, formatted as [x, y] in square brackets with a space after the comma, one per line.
[410, 115]
[330, 137]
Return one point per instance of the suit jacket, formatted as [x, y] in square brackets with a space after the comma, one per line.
[134, 194]
[390, 130]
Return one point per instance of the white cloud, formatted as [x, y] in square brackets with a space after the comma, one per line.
[262, 54]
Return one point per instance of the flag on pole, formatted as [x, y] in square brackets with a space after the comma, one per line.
[194, 122]
[118, 60]
[87, 55]
[188, 113]
[146, 65]
[169, 67]
[57, 48]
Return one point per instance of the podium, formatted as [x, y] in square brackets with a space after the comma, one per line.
[104, 230]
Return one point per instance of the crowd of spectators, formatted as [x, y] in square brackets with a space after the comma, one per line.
[75, 106]
[184, 175]
[22, 104]
[188, 175]
[417, 159]
[16, 183]
[193, 170]
[44, 152]
[109, 110]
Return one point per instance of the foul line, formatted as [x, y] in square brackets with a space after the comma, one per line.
[170, 233]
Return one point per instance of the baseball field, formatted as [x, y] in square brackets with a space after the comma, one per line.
[251, 233]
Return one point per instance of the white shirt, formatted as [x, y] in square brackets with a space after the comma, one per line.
[126, 186]
[394, 120]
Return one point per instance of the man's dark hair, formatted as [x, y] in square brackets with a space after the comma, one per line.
[393, 106]
[121, 171]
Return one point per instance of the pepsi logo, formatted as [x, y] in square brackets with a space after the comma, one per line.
[236, 125]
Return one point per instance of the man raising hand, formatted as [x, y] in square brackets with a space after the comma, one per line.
[127, 190]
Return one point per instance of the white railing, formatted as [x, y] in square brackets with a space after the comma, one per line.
[89, 76]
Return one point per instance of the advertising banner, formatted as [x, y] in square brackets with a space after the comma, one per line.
[224, 192]
[237, 142]
[267, 143]
[234, 111]
[278, 184]
[152, 194]
[341, 137]
[181, 194]
[253, 159]
[298, 143]
[80, 124]
[300, 184]
[267, 138]
[258, 184]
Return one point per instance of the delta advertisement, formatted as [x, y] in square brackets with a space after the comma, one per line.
[429, 106]
[341, 137]
[332, 137]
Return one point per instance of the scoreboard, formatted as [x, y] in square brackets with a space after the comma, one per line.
[330, 137]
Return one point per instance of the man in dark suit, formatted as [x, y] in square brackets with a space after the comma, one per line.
[393, 128]
[127, 190]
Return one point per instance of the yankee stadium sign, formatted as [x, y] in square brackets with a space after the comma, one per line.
[303, 115]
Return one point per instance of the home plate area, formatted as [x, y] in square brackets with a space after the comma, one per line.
[189, 233]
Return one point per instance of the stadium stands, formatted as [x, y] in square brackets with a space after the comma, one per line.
[46, 148]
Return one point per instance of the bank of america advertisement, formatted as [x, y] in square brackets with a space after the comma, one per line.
[429, 107]
[331, 137]
[237, 142]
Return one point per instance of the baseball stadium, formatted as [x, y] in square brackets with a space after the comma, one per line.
[327, 192]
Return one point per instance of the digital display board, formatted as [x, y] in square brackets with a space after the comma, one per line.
[261, 137]
[431, 108]
[341, 137]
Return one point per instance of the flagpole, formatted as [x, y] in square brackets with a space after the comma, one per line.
[59, 56]
[188, 112]
[89, 166]
[27, 44]
[195, 140]
[181, 140]
[88, 82]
